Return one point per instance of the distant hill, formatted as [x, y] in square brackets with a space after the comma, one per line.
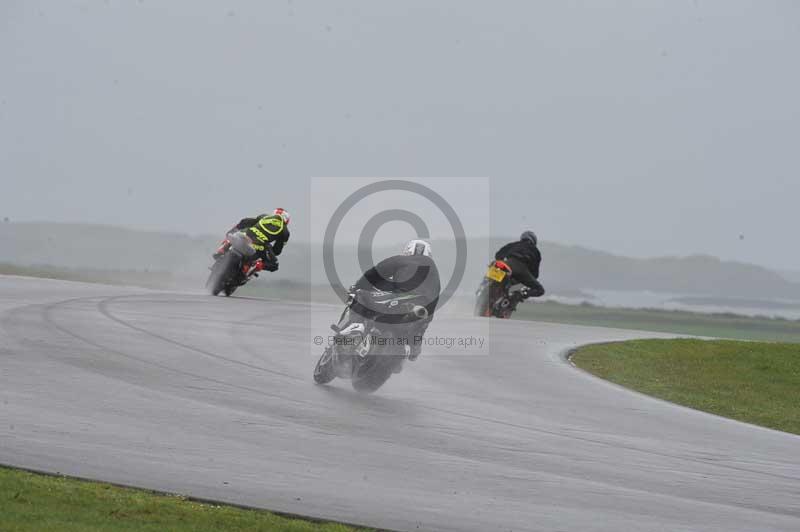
[565, 270]
[791, 276]
[99, 247]
[697, 274]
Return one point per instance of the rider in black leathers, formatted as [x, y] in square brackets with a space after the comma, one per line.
[524, 259]
[414, 273]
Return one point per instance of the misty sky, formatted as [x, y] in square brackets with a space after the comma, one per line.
[642, 128]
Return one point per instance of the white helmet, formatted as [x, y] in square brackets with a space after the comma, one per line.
[417, 247]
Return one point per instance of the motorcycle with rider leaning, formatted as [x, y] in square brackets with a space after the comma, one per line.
[512, 277]
[250, 246]
[384, 321]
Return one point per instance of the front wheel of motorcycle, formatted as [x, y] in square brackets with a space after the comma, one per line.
[324, 371]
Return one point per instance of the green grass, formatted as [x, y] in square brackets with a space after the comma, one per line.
[679, 322]
[33, 502]
[749, 381]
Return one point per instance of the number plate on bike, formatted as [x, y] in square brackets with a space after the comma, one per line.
[495, 274]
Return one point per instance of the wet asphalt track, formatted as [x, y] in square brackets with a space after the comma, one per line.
[192, 394]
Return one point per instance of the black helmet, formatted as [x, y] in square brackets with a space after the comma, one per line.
[529, 235]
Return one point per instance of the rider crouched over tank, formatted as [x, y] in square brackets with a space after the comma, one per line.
[512, 277]
[525, 260]
[268, 234]
[412, 274]
[249, 247]
[388, 311]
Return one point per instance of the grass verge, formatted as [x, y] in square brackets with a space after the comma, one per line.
[748, 381]
[678, 322]
[34, 502]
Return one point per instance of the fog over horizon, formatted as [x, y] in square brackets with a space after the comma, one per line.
[643, 129]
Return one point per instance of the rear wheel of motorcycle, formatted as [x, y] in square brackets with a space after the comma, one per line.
[482, 301]
[221, 273]
[323, 372]
[375, 371]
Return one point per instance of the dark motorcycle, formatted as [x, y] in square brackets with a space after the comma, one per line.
[497, 295]
[368, 350]
[236, 266]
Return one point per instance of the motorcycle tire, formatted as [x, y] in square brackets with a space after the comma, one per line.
[483, 301]
[375, 371]
[221, 273]
[324, 370]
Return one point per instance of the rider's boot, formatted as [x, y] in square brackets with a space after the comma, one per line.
[414, 346]
[413, 351]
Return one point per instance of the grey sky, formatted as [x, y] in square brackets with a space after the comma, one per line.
[642, 128]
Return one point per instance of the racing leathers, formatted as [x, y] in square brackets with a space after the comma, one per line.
[268, 232]
[414, 275]
[524, 259]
